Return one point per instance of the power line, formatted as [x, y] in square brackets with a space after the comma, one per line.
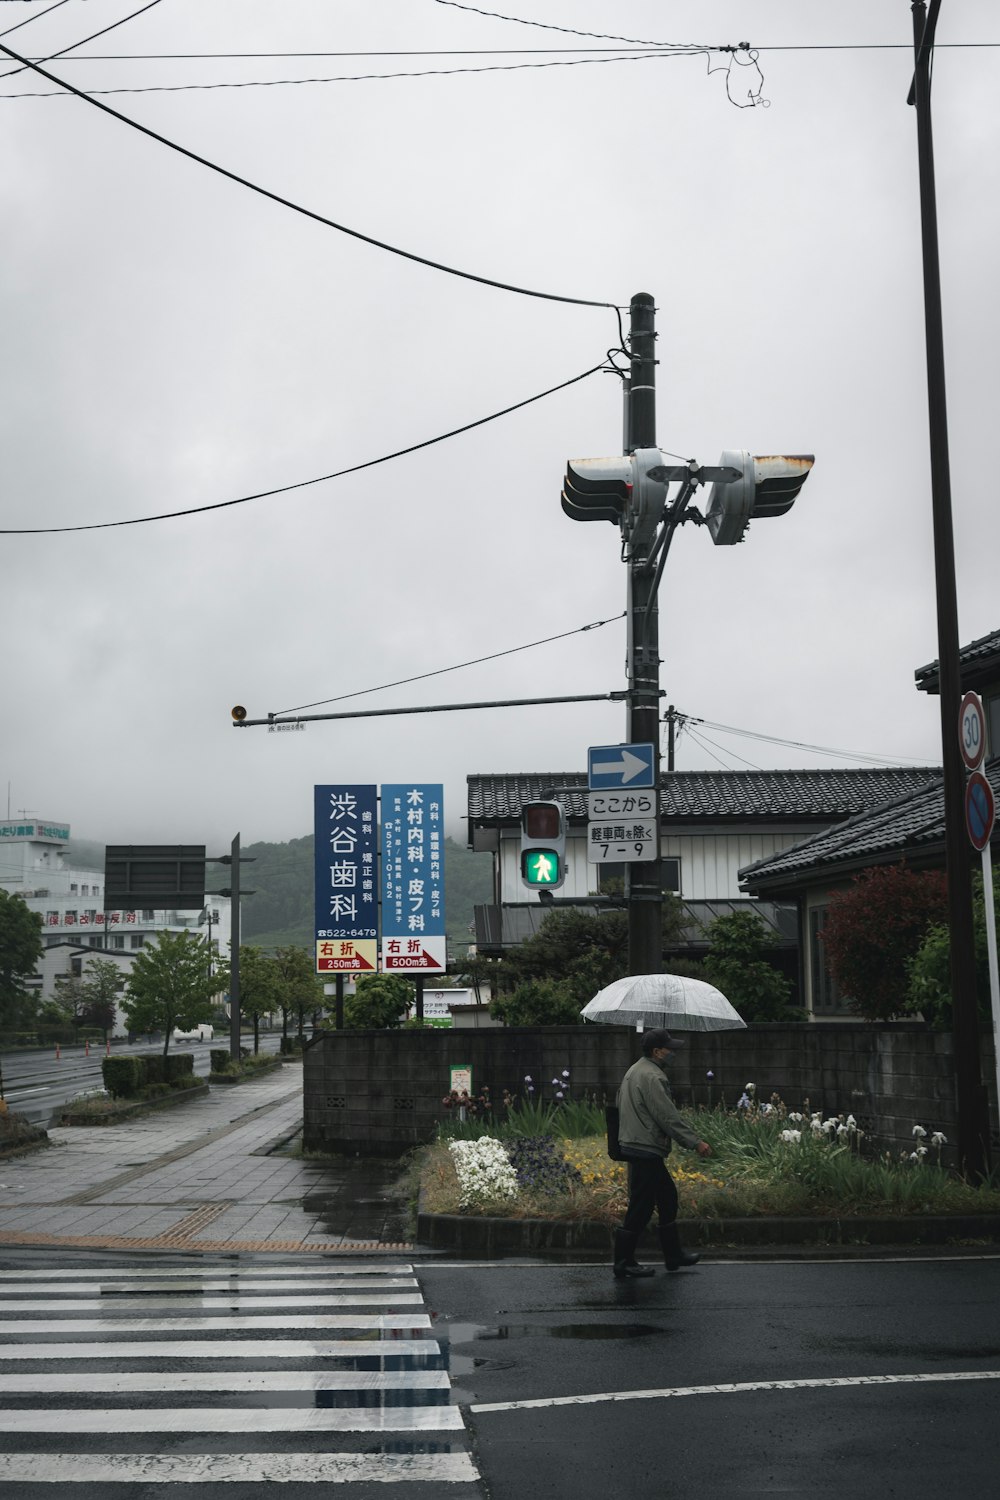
[284, 489]
[270, 83]
[495, 15]
[297, 207]
[83, 40]
[440, 671]
[772, 739]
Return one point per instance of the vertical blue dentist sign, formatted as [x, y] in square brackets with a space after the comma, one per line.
[346, 843]
[413, 933]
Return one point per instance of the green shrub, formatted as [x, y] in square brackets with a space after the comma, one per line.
[180, 1065]
[156, 1067]
[124, 1076]
[219, 1060]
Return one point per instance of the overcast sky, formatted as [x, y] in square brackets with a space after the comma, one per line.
[172, 339]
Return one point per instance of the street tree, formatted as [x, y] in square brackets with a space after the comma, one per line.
[300, 989]
[170, 985]
[379, 1001]
[260, 986]
[874, 928]
[90, 998]
[20, 950]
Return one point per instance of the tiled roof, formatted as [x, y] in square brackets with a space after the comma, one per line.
[699, 796]
[911, 825]
[976, 660]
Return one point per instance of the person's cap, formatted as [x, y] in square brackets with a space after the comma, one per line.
[662, 1039]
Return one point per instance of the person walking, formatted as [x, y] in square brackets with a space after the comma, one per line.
[648, 1124]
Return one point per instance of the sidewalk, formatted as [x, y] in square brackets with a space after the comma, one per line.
[213, 1174]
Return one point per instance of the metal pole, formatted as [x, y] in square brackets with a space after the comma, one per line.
[234, 957]
[973, 1119]
[991, 953]
[643, 887]
[418, 985]
[338, 1013]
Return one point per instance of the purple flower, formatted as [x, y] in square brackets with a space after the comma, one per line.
[709, 1074]
[565, 1072]
[527, 1077]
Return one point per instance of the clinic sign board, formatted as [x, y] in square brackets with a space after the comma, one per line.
[413, 932]
[346, 849]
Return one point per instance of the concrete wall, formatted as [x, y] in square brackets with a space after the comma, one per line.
[376, 1093]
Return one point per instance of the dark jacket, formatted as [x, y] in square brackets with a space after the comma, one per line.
[648, 1117]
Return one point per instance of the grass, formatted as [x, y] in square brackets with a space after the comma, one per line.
[752, 1172]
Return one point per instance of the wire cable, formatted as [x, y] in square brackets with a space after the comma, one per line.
[84, 40]
[600, 36]
[458, 667]
[36, 17]
[772, 739]
[288, 203]
[370, 463]
[270, 83]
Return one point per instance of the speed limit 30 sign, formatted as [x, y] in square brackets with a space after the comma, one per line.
[972, 731]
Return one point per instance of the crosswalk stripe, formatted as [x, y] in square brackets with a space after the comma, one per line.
[162, 1273]
[104, 1383]
[243, 1468]
[235, 1419]
[235, 1301]
[176, 1325]
[192, 1287]
[175, 1350]
[75, 1363]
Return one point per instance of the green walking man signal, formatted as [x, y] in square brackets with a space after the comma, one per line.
[543, 845]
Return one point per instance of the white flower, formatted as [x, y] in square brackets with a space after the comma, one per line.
[766, 1109]
[565, 1072]
[939, 1140]
[709, 1074]
[842, 1130]
[851, 1123]
[527, 1078]
[749, 1087]
[796, 1118]
[484, 1171]
[560, 1094]
[555, 1083]
[792, 1137]
[919, 1131]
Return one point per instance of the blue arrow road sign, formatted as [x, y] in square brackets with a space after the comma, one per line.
[610, 766]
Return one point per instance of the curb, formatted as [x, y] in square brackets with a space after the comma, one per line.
[489, 1237]
[235, 1078]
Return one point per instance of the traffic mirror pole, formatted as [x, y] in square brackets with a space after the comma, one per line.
[643, 888]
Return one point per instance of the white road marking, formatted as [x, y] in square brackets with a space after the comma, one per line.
[737, 1388]
[401, 1321]
[242, 1468]
[190, 1273]
[191, 1287]
[103, 1382]
[171, 1350]
[229, 1420]
[196, 1300]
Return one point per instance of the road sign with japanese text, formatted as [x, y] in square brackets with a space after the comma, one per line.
[346, 883]
[413, 932]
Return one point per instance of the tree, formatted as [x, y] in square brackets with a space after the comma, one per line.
[20, 950]
[929, 972]
[170, 985]
[737, 964]
[380, 1000]
[575, 952]
[260, 987]
[875, 928]
[300, 988]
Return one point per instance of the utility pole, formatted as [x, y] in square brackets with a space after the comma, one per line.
[973, 1115]
[643, 888]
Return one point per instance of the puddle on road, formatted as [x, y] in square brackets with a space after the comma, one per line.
[458, 1334]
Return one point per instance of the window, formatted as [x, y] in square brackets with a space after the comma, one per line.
[825, 992]
[85, 890]
[135, 940]
[149, 916]
[992, 707]
[72, 890]
[117, 941]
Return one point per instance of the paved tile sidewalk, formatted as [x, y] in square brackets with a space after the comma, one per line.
[211, 1174]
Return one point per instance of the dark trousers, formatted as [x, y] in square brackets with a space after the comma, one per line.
[650, 1186]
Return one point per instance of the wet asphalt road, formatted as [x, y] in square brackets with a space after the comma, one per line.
[528, 1333]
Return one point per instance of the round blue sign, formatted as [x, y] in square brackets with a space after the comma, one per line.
[980, 810]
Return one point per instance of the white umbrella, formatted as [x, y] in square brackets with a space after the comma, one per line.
[668, 1000]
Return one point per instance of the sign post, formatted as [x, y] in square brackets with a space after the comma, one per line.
[980, 817]
[346, 884]
[413, 931]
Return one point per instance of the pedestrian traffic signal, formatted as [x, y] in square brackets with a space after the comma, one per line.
[767, 486]
[543, 845]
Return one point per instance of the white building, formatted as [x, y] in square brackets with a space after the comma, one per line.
[70, 901]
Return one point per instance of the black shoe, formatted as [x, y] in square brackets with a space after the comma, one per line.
[674, 1257]
[625, 1263]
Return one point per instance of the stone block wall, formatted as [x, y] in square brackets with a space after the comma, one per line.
[378, 1093]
